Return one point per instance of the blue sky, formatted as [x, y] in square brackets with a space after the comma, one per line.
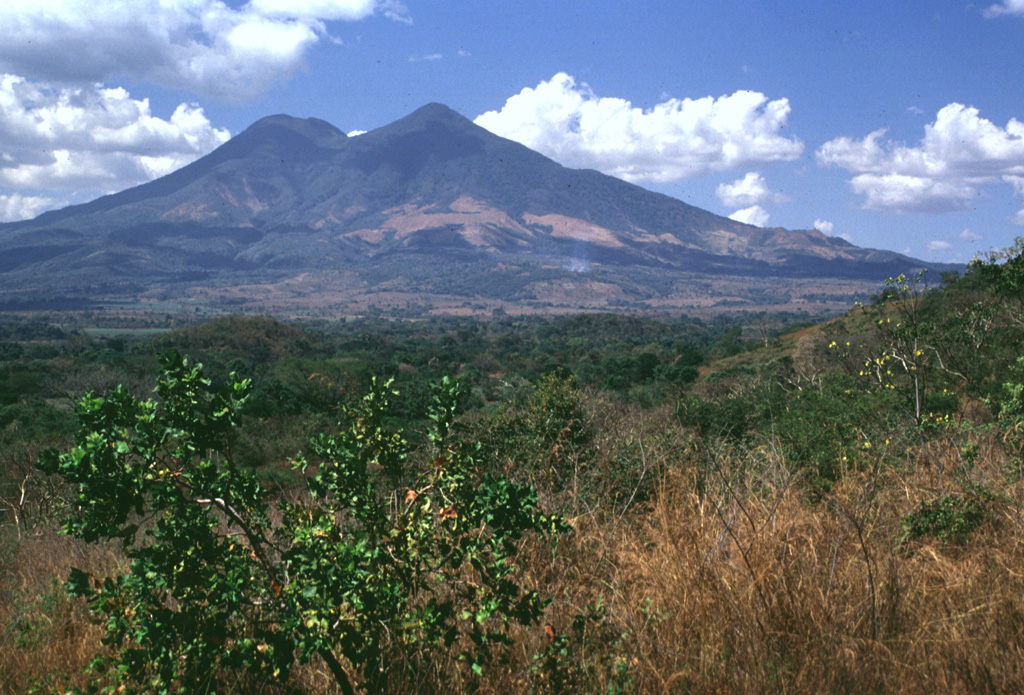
[896, 124]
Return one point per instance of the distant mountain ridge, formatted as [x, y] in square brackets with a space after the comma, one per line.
[289, 197]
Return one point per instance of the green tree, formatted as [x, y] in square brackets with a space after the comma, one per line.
[389, 554]
[1002, 274]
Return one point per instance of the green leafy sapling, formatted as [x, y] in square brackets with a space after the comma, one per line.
[391, 554]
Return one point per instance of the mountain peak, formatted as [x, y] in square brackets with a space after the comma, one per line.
[320, 132]
[432, 116]
[435, 111]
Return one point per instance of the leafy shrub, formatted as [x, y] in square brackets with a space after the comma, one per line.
[725, 417]
[950, 518]
[389, 558]
[826, 429]
[544, 432]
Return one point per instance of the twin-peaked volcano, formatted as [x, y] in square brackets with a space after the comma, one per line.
[430, 203]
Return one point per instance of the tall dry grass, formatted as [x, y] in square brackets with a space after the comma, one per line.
[739, 579]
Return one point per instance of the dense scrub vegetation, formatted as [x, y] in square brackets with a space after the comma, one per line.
[688, 506]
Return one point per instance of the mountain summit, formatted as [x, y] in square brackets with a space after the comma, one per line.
[431, 204]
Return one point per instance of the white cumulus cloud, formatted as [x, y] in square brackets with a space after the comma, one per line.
[674, 140]
[204, 46]
[89, 140]
[959, 153]
[23, 207]
[755, 215]
[1005, 7]
[752, 189]
[939, 245]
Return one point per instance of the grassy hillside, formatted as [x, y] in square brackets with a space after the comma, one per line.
[750, 507]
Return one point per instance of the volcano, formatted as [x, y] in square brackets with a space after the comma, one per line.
[294, 213]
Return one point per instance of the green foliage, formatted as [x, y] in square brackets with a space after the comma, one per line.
[951, 518]
[827, 429]
[1009, 407]
[980, 321]
[589, 652]
[1002, 274]
[821, 428]
[728, 417]
[390, 555]
[545, 435]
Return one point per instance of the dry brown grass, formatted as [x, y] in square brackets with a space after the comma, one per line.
[45, 638]
[753, 587]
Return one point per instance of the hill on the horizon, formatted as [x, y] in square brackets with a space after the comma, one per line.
[432, 210]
